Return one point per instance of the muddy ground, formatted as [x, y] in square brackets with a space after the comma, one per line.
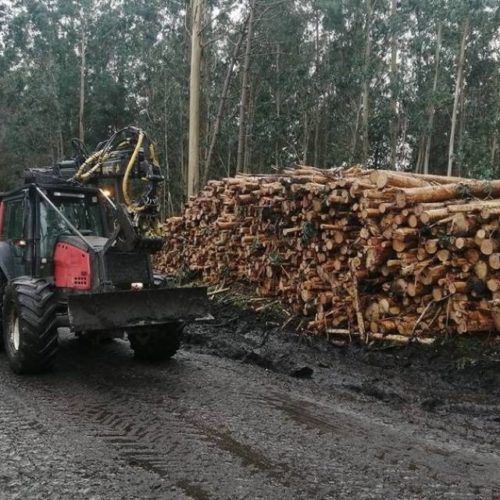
[246, 410]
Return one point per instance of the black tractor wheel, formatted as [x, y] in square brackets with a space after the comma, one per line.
[29, 325]
[157, 344]
[3, 283]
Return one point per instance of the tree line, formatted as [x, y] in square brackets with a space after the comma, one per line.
[230, 86]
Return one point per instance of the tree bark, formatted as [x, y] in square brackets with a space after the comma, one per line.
[168, 207]
[420, 155]
[249, 128]
[493, 150]
[394, 104]
[305, 144]
[244, 91]
[354, 140]
[458, 86]
[461, 127]
[317, 121]
[222, 102]
[195, 98]
[83, 50]
[366, 80]
[317, 125]
[432, 106]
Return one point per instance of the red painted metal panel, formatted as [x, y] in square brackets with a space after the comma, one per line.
[71, 267]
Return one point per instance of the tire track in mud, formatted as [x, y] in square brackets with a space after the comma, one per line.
[210, 428]
[345, 430]
[384, 441]
[155, 434]
[40, 459]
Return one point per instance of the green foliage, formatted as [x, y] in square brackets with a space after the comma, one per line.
[464, 191]
[305, 84]
[309, 232]
[275, 259]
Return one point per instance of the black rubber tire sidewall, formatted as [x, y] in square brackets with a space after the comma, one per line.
[9, 312]
[37, 344]
[3, 283]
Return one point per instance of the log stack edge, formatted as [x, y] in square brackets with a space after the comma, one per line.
[377, 254]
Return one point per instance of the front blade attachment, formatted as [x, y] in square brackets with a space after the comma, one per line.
[130, 309]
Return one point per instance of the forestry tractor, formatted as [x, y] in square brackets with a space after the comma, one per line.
[76, 245]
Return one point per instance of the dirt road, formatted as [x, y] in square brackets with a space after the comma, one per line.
[207, 426]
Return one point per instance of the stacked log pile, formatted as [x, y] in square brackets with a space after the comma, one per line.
[379, 254]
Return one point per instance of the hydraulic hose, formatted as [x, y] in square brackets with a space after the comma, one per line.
[81, 175]
[130, 166]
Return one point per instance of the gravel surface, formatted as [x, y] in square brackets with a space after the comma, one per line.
[239, 413]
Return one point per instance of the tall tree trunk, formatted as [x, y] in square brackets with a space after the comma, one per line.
[305, 143]
[494, 145]
[458, 86]
[354, 139]
[494, 140]
[317, 126]
[83, 51]
[317, 120]
[461, 128]
[57, 106]
[249, 128]
[419, 163]
[244, 91]
[432, 106]
[229, 152]
[366, 81]
[195, 98]
[394, 104]
[222, 102]
[168, 207]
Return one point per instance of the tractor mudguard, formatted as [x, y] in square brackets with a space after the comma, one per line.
[131, 309]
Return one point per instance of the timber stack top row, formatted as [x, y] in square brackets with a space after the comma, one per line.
[378, 254]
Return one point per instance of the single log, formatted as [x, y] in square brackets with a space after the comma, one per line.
[447, 192]
[430, 216]
[461, 243]
[481, 269]
[494, 261]
[443, 255]
[432, 274]
[291, 230]
[383, 178]
[493, 284]
[489, 246]
[431, 246]
[458, 287]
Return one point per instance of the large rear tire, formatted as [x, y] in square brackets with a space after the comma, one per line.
[3, 283]
[29, 325]
[157, 344]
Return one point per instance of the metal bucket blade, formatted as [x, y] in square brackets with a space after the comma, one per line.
[122, 309]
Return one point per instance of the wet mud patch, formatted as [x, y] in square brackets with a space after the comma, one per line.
[193, 490]
[374, 391]
[458, 376]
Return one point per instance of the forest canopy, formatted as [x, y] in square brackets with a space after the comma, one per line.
[401, 84]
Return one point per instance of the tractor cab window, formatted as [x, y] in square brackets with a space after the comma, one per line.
[14, 233]
[83, 211]
[14, 220]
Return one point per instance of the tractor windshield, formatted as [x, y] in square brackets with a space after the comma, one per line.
[82, 211]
